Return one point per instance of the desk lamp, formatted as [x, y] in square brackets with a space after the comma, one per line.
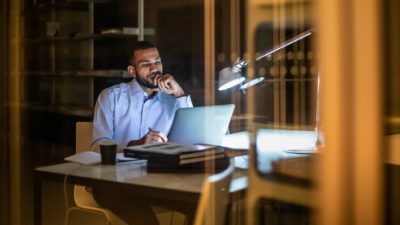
[231, 76]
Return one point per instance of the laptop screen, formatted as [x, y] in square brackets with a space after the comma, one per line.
[201, 125]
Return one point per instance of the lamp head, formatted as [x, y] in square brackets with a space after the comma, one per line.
[251, 83]
[228, 78]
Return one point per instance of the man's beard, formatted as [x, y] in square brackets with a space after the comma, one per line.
[145, 82]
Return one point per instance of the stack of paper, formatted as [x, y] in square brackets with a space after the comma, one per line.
[85, 158]
[92, 158]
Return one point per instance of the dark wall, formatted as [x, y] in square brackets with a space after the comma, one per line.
[181, 45]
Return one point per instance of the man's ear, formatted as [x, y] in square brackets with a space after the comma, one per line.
[131, 71]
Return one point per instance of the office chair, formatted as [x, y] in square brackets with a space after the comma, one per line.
[214, 200]
[83, 198]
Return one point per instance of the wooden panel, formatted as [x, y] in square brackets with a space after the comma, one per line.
[209, 52]
[351, 77]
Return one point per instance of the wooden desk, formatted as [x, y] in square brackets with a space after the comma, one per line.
[181, 188]
[172, 188]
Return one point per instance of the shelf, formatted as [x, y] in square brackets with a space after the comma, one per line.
[92, 73]
[64, 110]
[82, 36]
[105, 73]
[70, 1]
[66, 4]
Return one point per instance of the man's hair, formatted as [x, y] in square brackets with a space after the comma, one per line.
[140, 45]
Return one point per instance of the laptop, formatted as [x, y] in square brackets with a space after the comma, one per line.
[201, 125]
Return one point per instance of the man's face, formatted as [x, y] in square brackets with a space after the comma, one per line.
[147, 66]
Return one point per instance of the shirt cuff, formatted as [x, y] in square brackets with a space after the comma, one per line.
[184, 102]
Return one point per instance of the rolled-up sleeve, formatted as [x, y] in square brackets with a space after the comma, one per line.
[184, 102]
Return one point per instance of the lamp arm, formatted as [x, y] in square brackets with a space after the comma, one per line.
[286, 43]
[237, 67]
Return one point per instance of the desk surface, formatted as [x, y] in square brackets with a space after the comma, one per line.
[134, 173]
[132, 177]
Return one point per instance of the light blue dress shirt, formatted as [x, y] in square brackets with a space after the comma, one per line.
[124, 112]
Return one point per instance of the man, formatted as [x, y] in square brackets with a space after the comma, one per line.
[135, 113]
[142, 111]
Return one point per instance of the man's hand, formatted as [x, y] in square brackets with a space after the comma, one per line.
[149, 138]
[154, 137]
[167, 83]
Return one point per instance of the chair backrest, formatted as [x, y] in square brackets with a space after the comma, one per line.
[83, 137]
[214, 199]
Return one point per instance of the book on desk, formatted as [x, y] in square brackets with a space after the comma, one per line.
[172, 156]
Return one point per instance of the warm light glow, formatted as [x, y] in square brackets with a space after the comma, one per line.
[239, 140]
[280, 140]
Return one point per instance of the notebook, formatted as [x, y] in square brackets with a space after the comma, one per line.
[201, 125]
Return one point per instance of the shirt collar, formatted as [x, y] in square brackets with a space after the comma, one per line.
[137, 89]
